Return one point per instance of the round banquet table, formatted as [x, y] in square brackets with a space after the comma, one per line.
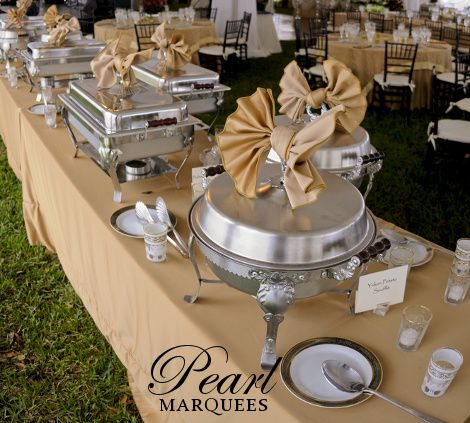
[196, 35]
[366, 61]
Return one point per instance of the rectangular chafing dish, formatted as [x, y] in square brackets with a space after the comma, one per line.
[29, 23]
[198, 86]
[72, 58]
[139, 126]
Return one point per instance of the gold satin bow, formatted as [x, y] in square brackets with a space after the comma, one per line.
[59, 33]
[24, 4]
[248, 135]
[15, 17]
[176, 50]
[52, 18]
[115, 59]
[343, 88]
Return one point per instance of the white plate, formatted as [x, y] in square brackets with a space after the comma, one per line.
[36, 109]
[125, 221]
[422, 253]
[302, 374]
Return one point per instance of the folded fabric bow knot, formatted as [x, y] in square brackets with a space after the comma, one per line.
[176, 51]
[248, 135]
[343, 88]
[52, 18]
[59, 33]
[115, 59]
[16, 16]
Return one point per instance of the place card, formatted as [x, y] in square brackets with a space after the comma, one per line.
[385, 287]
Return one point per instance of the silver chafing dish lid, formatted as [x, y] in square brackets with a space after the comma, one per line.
[70, 48]
[115, 113]
[187, 79]
[29, 22]
[341, 151]
[10, 34]
[266, 232]
[71, 36]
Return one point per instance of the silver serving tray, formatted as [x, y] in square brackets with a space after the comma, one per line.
[186, 80]
[266, 233]
[133, 143]
[198, 87]
[71, 49]
[113, 114]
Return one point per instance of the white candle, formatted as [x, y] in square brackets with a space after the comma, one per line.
[408, 337]
[455, 292]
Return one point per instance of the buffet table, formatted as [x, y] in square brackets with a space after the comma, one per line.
[139, 307]
[366, 61]
[196, 35]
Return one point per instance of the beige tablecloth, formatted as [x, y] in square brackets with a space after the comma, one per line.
[366, 62]
[196, 35]
[139, 306]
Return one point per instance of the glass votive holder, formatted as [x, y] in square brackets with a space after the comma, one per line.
[13, 77]
[155, 241]
[50, 115]
[414, 323]
[442, 368]
[400, 256]
[46, 93]
[459, 276]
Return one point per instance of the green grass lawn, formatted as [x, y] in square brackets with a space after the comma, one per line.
[54, 363]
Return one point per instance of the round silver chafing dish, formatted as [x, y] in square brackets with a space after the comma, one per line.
[264, 248]
[350, 156]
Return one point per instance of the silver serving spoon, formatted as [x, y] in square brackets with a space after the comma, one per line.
[347, 379]
[144, 215]
[163, 216]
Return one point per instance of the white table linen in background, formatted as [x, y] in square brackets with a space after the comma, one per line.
[259, 43]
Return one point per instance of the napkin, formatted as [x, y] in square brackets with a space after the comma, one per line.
[59, 33]
[115, 59]
[177, 52]
[24, 4]
[343, 88]
[16, 16]
[52, 18]
[248, 135]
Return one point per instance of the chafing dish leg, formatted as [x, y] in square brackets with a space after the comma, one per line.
[192, 256]
[269, 355]
[275, 296]
[73, 138]
[30, 78]
[117, 197]
[189, 148]
[369, 185]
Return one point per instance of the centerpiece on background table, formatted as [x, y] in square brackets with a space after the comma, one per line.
[153, 6]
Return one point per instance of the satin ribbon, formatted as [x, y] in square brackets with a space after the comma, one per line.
[52, 18]
[343, 88]
[248, 135]
[176, 52]
[15, 17]
[59, 33]
[113, 60]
